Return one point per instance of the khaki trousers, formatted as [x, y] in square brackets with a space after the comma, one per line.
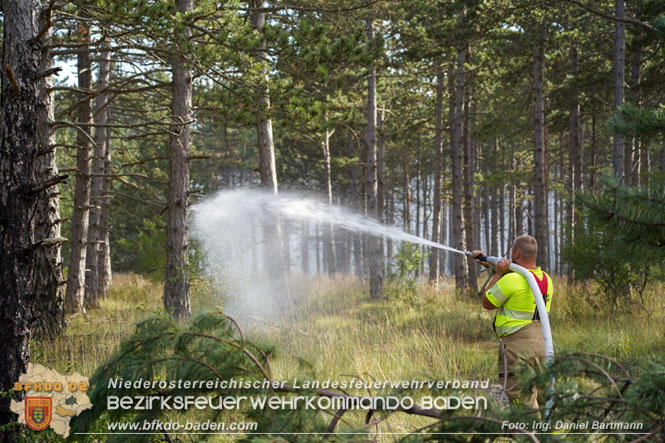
[518, 351]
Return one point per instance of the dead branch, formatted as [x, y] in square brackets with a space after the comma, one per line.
[50, 182]
[12, 78]
[49, 242]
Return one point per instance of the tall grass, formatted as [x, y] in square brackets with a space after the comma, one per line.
[336, 332]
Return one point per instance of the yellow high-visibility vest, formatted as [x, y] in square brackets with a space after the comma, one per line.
[516, 303]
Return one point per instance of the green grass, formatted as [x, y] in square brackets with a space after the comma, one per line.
[336, 332]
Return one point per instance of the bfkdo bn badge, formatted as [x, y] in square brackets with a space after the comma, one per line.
[38, 412]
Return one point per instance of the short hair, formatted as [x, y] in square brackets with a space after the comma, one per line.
[527, 245]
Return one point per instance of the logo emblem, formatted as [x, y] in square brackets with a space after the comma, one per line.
[38, 412]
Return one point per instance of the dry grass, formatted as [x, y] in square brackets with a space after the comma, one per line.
[92, 337]
[336, 332]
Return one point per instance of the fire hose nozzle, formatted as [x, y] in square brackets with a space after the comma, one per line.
[489, 259]
[480, 257]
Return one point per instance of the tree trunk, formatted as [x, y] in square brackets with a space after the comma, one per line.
[96, 236]
[529, 214]
[49, 291]
[357, 239]
[390, 220]
[317, 248]
[74, 296]
[486, 211]
[468, 196]
[443, 260]
[576, 152]
[519, 216]
[380, 167]
[330, 229]
[419, 168]
[176, 288]
[494, 209]
[570, 208]
[540, 185]
[22, 189]
[504, 242]
[436, 192]
[424, 248]
[512, 233]
[381, 182]
[104, 253]
[448, 237]
[304, 247]
[557, 207]
[637, 150]
[457, 163]
[662, 155]
[407, 196]
[374, 243]
[285, 235]
[619, 62]
[593, 184]
[418, 185]
[267, 167]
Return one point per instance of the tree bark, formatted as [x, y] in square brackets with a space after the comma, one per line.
[357, 239]
[49, 291]
[94, 290]
[457, 156]
[22, 189]
[593, 183]
[304, 247]
[619, 68]
[381, 166]
[390, 220]
[438, 166]
[267, 167]
[576, 151]
[540, 185]
[485, 207]
[374, 256]
[469, 231]
[176, 288]
[74, 296]
[636, 151]
[443, 259]
[512, 233]
[494, 209]
[330, 229]
[407, 196]
[555, 218]
[425, 200]
[104, 253]
[381, 181]
[662, 155]
[419, 169]
[419, 166]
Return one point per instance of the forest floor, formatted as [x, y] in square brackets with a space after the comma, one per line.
[337, 333]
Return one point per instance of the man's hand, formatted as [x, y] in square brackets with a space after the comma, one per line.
[477, 253]
[502, 267]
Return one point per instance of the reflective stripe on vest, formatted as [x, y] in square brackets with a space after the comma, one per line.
[509, 320]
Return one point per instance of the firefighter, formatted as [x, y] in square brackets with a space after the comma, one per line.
[516, 323]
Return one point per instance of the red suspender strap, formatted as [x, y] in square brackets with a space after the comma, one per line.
[543, 286]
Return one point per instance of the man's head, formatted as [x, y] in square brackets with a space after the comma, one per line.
[524, 251]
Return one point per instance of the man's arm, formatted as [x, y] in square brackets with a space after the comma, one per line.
[501, 269]
[485, 301]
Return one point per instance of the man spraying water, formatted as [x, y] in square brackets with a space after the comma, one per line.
[517, 323]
